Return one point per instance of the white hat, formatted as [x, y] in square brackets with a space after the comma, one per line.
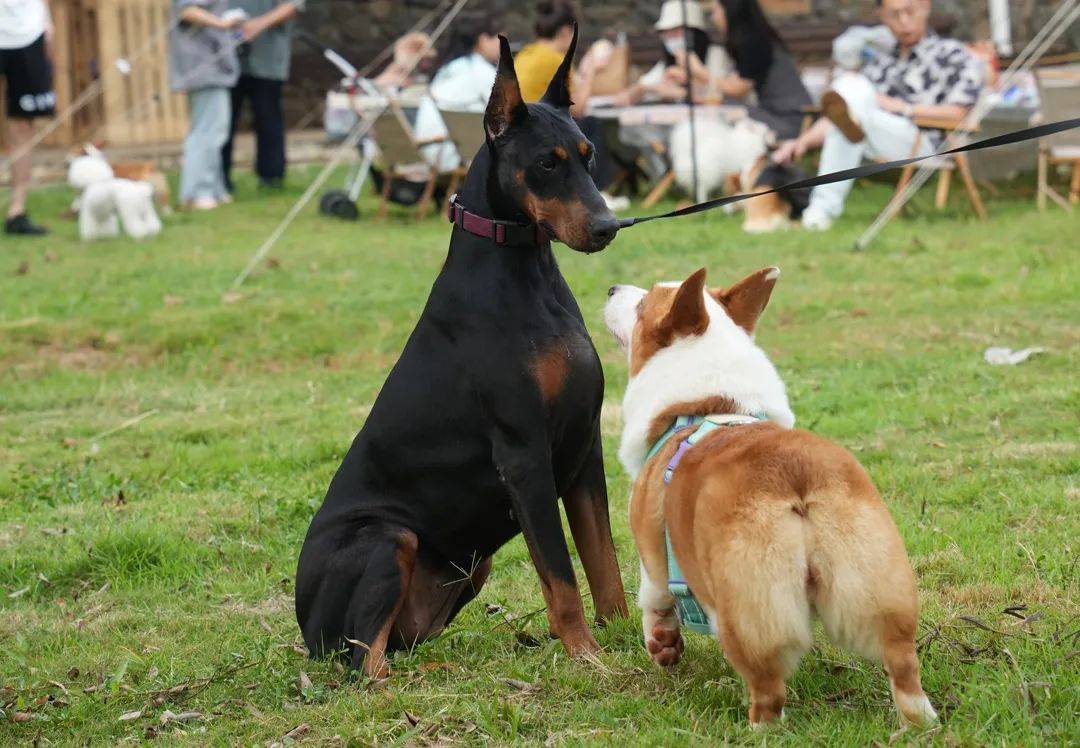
[671, 15]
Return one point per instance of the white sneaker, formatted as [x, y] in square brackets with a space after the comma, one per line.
[815, 219]
[615, 204]
[203, 203]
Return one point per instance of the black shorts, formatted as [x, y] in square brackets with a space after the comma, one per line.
[29, 81]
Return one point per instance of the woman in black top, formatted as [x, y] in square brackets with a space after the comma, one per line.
[762, 65]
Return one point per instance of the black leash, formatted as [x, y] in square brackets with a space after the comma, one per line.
[1019, 136]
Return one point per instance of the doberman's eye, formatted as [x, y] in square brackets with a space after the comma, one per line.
[546, 163]
[588, 158]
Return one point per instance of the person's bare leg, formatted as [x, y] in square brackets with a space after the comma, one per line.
[21, 132]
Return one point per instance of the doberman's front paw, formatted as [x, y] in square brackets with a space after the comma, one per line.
[580, 645]
[665, 645]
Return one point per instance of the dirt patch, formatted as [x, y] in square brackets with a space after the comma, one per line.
[1038, 449]
[270, 607]
[84, 356]
[983, 595]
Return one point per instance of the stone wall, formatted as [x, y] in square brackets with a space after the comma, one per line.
[359, 29]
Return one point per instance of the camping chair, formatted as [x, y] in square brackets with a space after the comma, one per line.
[466, 131]
[1059, 91]
[402, 158]
[945, 166]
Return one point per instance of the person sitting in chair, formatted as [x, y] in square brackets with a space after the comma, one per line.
[871, 114]
[462, 83]
[536, 64]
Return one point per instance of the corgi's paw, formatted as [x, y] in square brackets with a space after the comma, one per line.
[916, 710]
[665, 645]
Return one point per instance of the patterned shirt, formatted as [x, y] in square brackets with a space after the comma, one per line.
[935, 71]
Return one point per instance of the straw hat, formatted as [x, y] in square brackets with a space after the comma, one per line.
[671, 15]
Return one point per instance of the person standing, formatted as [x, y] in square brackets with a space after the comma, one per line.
[264, 68]
[26, 33]
[202, 62]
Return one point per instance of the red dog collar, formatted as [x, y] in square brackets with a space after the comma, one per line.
[500, 232]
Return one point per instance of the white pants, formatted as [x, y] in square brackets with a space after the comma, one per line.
[202, 175]
[888, 136]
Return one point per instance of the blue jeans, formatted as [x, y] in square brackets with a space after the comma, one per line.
[202, 175]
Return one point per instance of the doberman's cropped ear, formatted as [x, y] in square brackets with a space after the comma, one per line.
[688, 315]
[558, 92]
[746, 300]
[505, 107]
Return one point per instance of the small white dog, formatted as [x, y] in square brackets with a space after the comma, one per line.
[106, 206]
[85, 170]
[723, 151]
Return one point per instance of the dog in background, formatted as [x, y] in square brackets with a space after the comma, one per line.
[106, 206]
[734, 158]
[769, 525]
[90, 166]
[723, 151]
[777, 211]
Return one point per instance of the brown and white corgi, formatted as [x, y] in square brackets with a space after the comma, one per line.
[769, 525]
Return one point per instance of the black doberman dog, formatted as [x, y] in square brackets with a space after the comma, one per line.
[491, 413]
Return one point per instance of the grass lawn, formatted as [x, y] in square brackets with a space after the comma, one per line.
[164, 444]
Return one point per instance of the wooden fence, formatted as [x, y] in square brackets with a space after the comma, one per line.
[131, 109]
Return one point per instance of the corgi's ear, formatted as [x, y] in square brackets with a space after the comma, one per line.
[746, 300]
[505, 107]
[688, 315]
[558, 91]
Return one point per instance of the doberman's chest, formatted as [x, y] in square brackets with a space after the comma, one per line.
[566, 370]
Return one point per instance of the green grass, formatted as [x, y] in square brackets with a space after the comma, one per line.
[151, 568]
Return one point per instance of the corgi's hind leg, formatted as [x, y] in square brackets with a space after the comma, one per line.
[764, 621]
[866, 598]
[902, 665]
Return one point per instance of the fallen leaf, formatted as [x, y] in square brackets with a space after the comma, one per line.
[428, 667]
[73, 673]
[20, 717]
[19, 593]
[304, 681]
[299, 731]
[172, 299]
[54, 531]
[526, 639]
[23, 269]
[411, 718]
[128, 716]
[521, 685]
[169, 716]
[231, 297]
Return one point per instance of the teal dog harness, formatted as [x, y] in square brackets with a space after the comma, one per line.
[690, 612]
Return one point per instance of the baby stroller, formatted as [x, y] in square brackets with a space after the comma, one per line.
[357, 102]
